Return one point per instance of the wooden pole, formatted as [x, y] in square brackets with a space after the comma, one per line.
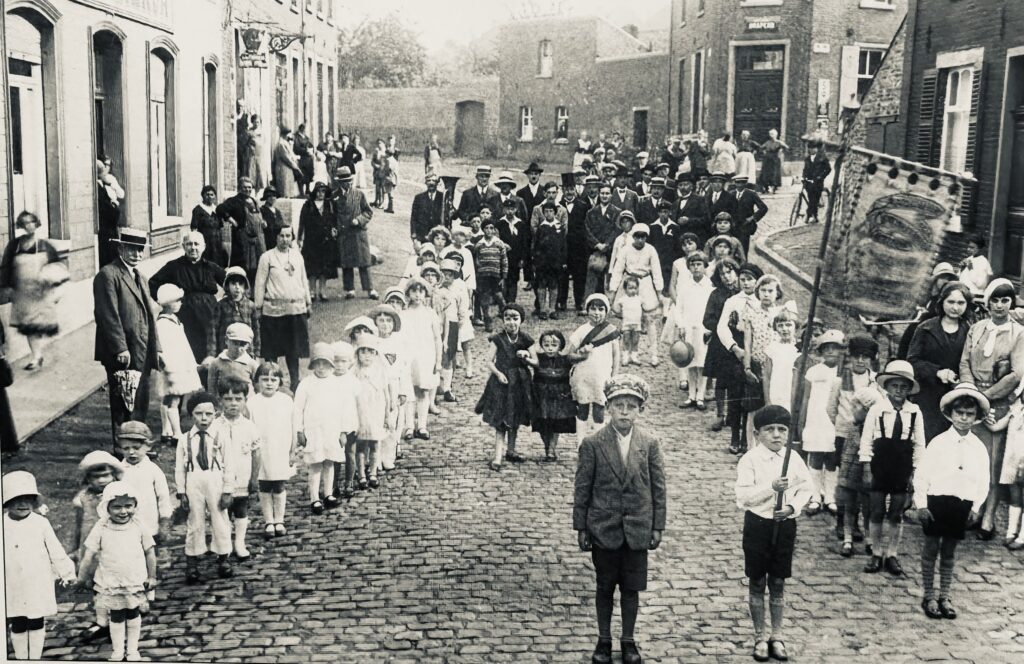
[834, 202]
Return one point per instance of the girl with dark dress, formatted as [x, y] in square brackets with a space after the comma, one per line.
[552, 394]
[935, 351]
[206, 221]
[507, 401]
[318, 239]
[719, 363]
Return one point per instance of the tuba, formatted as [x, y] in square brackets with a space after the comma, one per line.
[448, 199]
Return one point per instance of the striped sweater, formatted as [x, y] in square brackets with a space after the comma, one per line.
[491, 259]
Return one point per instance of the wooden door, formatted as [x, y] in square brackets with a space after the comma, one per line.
[640, 129]
[757, 101]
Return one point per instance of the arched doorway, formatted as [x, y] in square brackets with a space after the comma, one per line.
[469, 128]
[108, 124]
[32, 105]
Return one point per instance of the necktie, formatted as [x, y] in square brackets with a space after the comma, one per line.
[201, 458]
[897, 426]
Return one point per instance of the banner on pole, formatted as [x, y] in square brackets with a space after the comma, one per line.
[892, 217]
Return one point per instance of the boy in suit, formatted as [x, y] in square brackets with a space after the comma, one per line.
[769, 534]
[619, 510]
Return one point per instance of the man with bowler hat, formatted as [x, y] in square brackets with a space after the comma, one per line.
[532, 194]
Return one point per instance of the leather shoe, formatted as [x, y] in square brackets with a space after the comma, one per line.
[892, 566]
[761, 651]
[449, 397]
[603, 652]
[946, 608]
[874, 565]
[630, 652]
[421, 434]
[777, 650]
[931, 608]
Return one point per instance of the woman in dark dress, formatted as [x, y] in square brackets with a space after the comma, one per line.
[273, 221]
[247, 242]
[771, 167]
[935, 351]
[206, 221]
[318, 240]
[719, 363]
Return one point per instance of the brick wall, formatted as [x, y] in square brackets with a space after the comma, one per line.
[414, 114]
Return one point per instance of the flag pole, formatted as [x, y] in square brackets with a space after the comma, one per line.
[835, 201]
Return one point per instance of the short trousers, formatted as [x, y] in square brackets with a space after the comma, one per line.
[760, 557]
[272, 486]
[950, 516]
[623, 567]
[239, 507]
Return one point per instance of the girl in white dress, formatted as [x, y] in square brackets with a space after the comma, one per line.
[817, 431]
[1012, 471]
[32, 557]
[179, 376]
[422, 332]
[318, 427]
[375, 401]
[687, 315]
[271, 411]
[640, 260]
[598, 340]
[780, 359]
[392, 351]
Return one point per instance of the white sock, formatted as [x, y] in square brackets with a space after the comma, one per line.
[241, 526]
[36, 638]
[280, 501]
[313, 482]
[20, 642]
[133, 630]
[1013, 522]
[117, 634]
[328, 478]
[830, 481]
[267, 507]
[817, 478]
[422, 410]
[446, 379]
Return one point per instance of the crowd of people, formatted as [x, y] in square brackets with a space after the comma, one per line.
[938, 431]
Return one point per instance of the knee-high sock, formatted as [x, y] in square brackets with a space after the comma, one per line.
[499, 447]
[605, 604]
[929, 552]
[816, 483]
[20, 642]
[267, 507]
[446, 379]
[829, 479]
[875, 533]
[313, 482]
[422, 410]
[629, 602]
[133, 629]
[756, 602]
[777, 607]
[328, 478]
[117, 635]
[947, 561]
[36, 639]
[280, 501]
[892, 545]
[1013, 523]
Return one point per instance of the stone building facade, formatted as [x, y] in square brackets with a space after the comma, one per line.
[783, 64]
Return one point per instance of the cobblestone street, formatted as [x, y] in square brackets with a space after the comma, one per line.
[450, 562]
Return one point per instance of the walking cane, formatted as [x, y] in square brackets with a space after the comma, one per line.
[798, 396]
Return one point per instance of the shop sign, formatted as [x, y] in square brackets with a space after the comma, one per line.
[762, 24]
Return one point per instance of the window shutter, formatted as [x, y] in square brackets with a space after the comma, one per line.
[849, 66]
[926, 133]
[970, 194]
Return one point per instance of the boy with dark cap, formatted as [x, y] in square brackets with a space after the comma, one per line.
[769, 534]
[619, 510]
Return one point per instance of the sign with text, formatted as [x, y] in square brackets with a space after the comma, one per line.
[765, 24]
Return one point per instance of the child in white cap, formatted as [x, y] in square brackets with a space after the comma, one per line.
[98, 469]
[32, 557]
[317, 421]
[598, 341]
[120, 561]
[375, 401]
[817, 432]
[179, 376]
[271, 411]
[640, 260]
[234, 361]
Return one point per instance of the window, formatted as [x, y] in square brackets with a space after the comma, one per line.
[682, 12]
[210, 137]
[697, 106]
[868, 61]
[544, 59]
[561, 122]
[162, 156]
[320, 118]
[640, 128]
[296, 94]
[330, 100]
[525, 123]
[280, 90]
[955, 119]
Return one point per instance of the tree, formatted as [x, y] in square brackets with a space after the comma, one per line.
[380, 53]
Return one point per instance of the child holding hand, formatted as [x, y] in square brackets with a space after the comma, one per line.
[271, 411]
[598, 341]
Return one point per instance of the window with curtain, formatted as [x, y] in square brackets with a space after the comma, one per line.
[525, 123]
[162, 157]
[956, 116]
[545, 59]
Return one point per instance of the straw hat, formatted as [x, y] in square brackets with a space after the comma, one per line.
[898, 369]
[387, 310]
[100, 458]
[169, 293]
[968, 390]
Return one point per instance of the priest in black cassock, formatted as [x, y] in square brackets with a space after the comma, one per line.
[199, 278]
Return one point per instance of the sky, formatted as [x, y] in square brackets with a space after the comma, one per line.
[462, 21]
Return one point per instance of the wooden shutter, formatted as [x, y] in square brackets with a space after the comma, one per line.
[926, 131]
[848, 75]
[970, 195]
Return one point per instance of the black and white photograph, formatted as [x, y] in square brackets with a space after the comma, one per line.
[512, 331]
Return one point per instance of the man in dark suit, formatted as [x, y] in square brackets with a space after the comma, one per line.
[576, 249]
[816, 169]
[591, 185]
[691, 211]
[749, 210]
[717, 200]
[126, 336]
[427, 209]
[505, 185]
[647, 209]
[601, 230]
[515, 233]
[643, 180]
[620, 508]
[623, 197]
[477, 197]
[532, 194]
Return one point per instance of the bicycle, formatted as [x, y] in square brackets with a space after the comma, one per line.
[797, 211]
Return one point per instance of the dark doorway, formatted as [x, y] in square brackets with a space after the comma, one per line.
[469, 128]
[757, 101]
[108, 107]
[640, 129]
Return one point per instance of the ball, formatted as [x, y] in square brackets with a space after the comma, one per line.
[681, 353]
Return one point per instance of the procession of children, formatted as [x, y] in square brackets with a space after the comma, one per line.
[734, 341]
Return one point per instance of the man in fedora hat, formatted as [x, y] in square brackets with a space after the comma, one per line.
[427, 212]
[505, 185]
[648, 205]
[352, 215]
[816, 169]
[477, 197]
[749, 210]
[716, 199]
[126, 336]
[623, 197]
[691, 209]
[532, 194]
[576, 250]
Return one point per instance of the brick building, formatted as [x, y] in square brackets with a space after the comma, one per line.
[783, 64]
[965, 111]
[559, 76]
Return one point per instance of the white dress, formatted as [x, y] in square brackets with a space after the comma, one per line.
[1013, 456]
[150, 483]
[687, 316]
[819, 434]
[783, 357]
[320, 414]
[646, 266]
[588, 377]
[179, 376]
[33, 560]
[418, 326]
[121, 563]
[273, 418]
